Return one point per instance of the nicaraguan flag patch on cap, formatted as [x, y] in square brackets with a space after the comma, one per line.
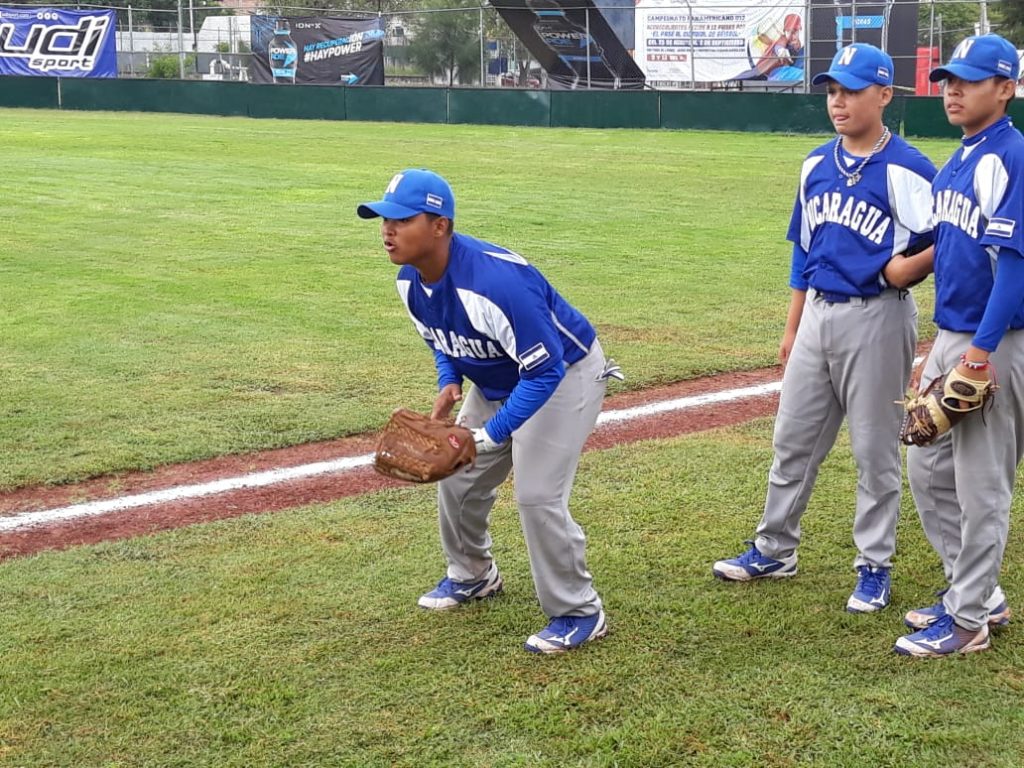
[434, 201]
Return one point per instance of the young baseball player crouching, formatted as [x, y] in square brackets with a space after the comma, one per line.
[539, 378]
[963, 482]
[863, 201]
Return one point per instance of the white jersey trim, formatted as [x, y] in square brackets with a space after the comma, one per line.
[568, 335]
[509, 256]
[805, 228]
[404, 286]
[488, 319]
[990, 182]
[910, 198]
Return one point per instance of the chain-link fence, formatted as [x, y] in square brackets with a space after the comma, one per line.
[474, 45]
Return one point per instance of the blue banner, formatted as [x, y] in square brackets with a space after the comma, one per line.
[53, 42]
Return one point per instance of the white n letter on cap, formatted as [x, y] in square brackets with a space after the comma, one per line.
[847, 56]
[393, 186]
[963, 49]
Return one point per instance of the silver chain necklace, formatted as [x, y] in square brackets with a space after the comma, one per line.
[852, 177]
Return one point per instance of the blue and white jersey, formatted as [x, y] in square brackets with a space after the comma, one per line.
[494, 317]
[979, 207]
[849, 233]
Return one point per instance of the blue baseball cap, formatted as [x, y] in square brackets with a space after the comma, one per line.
[857, 66]
[979, 58]
[410, 192]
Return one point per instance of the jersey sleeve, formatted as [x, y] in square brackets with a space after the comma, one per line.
[910, 198]
[518, 317]
[999, 187]
[1003, 302]
[799, 233]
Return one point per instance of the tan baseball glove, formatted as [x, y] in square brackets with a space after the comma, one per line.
[419, 449]
[941, 406]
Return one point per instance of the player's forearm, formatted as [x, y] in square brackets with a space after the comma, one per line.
[795, 312]
[446, 373]
[1003, 303]
[902, 271]
[528, 397]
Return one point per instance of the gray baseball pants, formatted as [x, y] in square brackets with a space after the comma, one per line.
[963, 483]
[545, 452]
[849, 359]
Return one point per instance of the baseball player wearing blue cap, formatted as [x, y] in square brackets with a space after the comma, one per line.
[963, 483]
[539, 377]
[863, 202]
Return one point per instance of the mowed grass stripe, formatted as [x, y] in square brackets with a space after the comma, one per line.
[178, 287]
[294, 640]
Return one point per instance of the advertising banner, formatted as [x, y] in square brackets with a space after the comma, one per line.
[704, 41]
[54, 42]
[325, 50]
[573, 42]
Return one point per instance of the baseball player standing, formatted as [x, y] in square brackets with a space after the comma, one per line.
[848, 345]
[539, 377]
[963, 483]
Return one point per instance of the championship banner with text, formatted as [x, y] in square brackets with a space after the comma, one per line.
[325, 50]
[704, 41]
[53, 42]
[573, 42]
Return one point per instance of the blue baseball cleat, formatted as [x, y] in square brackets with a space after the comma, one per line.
[450, 593]
[567, 632]
[942, 637]
[753, 565]
[998, 611]
[872, 591]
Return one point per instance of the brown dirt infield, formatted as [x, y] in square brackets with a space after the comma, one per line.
[287, 495]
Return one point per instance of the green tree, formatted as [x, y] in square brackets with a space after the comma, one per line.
[1008, 20]
[955, 20]
[447, 42]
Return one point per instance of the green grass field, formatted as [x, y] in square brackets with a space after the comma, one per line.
[180, 287]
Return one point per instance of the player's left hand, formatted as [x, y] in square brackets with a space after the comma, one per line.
[446, 399]
[484, 443]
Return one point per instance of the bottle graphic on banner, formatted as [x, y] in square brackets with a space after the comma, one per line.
[283, 53]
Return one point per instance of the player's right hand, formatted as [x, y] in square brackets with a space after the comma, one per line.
[446, 399]
[786, 348]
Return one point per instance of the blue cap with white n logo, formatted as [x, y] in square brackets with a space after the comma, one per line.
[979, 58]
[412, 192]
[857, 66]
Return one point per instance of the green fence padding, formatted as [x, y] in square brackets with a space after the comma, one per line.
[924, 116]
[40, 92]
[604, 109]
[201, 98]
[309, 102]
[397, 105]
[765, 112]
[499, 107]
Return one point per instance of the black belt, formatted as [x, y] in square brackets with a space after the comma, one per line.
[841, 298]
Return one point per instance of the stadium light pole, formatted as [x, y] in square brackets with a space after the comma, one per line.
[181, 46]
[192, 26]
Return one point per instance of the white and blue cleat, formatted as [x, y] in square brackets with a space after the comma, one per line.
[943, 637]
[872, 592]
[998, 611]
[753, 565]
[449, 593]
[567, 632]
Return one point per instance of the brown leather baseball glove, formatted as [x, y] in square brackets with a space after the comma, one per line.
[941, 405]
[419, 449]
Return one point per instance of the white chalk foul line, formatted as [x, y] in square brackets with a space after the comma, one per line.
[275, 476]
